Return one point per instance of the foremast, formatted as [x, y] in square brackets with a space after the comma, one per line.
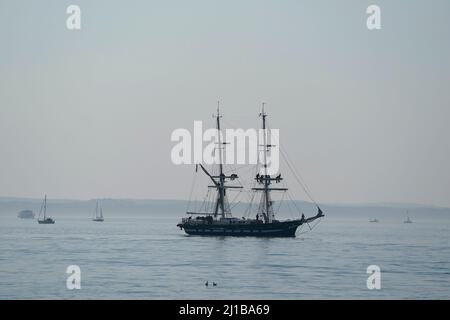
[221, 206]
[221, 196]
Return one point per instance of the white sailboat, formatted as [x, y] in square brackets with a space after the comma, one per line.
[98, 214]
[408, 220]
[43, 212]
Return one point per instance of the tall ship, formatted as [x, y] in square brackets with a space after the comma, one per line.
[215, 218]
[98, 213]
[43, 218]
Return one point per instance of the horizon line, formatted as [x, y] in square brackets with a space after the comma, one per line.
[381, 204]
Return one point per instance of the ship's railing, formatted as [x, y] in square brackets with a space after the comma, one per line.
[191, 220]
[230, 221]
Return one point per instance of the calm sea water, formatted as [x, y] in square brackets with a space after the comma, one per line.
[147, 257]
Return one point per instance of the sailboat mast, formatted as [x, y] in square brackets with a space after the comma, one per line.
[45, 205]
[221, 188]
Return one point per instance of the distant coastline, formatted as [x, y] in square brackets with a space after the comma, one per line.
[12, 205]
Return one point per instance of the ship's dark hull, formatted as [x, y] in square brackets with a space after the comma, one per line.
[274, 229]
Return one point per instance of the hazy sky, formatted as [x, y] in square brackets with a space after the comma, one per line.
[86, 114]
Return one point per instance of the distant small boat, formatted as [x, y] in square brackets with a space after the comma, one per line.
[374, 220]
[43, 211]
[408, 220]
[26, 214]
[98, 215]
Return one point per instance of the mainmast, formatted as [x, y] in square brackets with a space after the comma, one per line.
[266, 207]
[266, 182]
[267, 202]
